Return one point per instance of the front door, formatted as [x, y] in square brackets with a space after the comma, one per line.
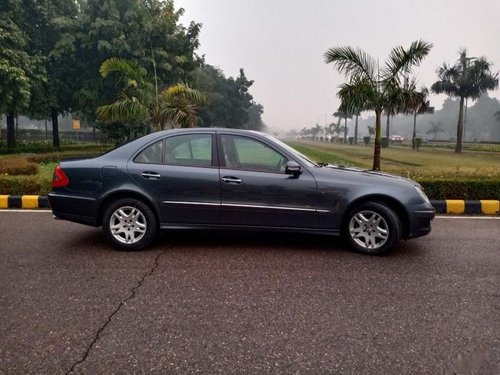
[255, 191]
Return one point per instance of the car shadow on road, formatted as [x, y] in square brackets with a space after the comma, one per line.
[93, 240]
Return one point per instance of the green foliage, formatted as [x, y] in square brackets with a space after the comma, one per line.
[141, 105]
[20, 70]
[466, 189]
[51, 52]
[19, 185]
[230, 103]
[136, 31]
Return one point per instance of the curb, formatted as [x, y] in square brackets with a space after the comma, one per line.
[24, 201]
[458, 207]
[448, 206]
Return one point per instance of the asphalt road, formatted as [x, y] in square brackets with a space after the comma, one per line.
[238, 303]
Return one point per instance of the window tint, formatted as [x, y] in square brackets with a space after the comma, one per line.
[190, 150]
[250, 154]
[151, 154]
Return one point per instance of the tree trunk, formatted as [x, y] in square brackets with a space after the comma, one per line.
[387, 128]
[378, 141]
[460, 127]
[413, 142]
[55, 128]
[11, 132]
[356, 131]
[345, 131]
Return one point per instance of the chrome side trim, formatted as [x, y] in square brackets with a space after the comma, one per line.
[268, 207]
[236, 205]
[56, 195]
[192, 203]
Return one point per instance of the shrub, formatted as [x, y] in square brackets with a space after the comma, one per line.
[19, 185]
[15, 166]
[56, 157]
[461, 189]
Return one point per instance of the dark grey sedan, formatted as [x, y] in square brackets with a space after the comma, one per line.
[234, 179]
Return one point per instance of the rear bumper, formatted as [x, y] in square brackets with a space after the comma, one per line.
[82, 210]
[420, 220]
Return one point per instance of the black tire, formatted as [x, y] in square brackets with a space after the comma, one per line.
[134, 232]
[372, 228]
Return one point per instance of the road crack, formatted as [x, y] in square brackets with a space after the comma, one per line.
[131, 296]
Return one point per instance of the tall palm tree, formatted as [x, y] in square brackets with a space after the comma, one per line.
[414, 102]
[469, 77]
[142, 101]
[371, 85]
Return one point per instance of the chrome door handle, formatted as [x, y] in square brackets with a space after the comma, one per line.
[231, 180]
[151, 175]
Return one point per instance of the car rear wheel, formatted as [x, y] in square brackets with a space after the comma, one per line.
[129, 224]
[373, 228]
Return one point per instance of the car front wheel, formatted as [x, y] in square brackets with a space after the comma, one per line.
[129, 224]
[373, 228]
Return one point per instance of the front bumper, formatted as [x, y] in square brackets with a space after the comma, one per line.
[420, 220]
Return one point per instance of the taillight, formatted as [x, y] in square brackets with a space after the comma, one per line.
[59, 178]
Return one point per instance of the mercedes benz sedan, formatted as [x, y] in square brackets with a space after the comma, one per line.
[234, 179]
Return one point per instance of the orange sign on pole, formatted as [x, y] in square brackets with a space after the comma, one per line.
[76, 124]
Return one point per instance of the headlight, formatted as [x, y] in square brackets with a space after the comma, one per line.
[422, 194]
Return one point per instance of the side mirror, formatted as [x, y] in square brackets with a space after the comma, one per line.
[293, 168]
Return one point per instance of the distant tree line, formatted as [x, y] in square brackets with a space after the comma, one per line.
[51, 53]
[481, 123]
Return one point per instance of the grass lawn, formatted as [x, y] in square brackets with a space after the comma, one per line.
[436, 163]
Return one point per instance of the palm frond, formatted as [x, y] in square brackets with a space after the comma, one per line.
[401, 60]
[352, 62]
[445, 87]
[357, 95]
[125, 108]
[181, 90]
[129, 70]
[180, 114]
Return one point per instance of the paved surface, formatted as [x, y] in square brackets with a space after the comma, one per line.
[233, 303]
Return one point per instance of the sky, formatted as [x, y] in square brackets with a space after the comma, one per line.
[280, 44]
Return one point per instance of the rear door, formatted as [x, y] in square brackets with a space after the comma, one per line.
[181, 173]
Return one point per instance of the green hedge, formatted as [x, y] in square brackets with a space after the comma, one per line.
[24, 185]
[461, 189]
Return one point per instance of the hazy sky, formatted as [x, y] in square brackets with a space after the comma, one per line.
[280, 44]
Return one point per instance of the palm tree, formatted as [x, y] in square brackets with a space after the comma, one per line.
[336, 128]
[415, 103]
[341, 114]
[356, 117]
[435, 128]
[371, 85]
[469, 77]
[141, 100]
